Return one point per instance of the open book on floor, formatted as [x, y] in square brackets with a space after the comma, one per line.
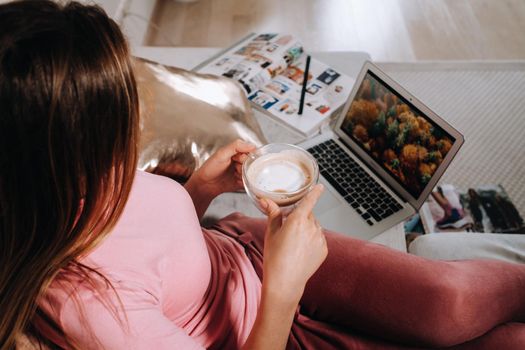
[270, 67]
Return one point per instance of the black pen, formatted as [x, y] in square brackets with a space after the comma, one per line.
[305, 81]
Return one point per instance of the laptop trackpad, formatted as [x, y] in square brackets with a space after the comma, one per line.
[326, 202]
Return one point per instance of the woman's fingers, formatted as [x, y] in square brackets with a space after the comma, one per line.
[238, 170]
[275, 217]
[238, 146]
[240, 158]
[307, 204]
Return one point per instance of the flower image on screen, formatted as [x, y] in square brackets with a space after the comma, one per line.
[396, 134]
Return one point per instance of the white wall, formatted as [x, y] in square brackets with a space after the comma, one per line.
[136, 18]
[132, 15]
[110, 6]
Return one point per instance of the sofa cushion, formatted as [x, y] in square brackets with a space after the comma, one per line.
[467, 245]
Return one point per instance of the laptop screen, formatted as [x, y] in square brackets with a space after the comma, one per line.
[397, 135]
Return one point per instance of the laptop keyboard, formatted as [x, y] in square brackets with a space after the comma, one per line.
[356, 186]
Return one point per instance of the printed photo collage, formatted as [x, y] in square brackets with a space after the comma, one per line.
[256, 62]
[325, 90]
[270, 68]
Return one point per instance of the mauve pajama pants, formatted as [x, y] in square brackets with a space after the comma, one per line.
[367, 296]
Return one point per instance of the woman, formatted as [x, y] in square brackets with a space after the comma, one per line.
[95, 255]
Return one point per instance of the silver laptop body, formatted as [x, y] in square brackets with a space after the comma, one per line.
[406, 148]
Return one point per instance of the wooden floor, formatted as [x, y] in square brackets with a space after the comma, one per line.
[390, 30]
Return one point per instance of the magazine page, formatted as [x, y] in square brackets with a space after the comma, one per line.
[270, 67]
[256, 60]
[485, 208]
[326, 91]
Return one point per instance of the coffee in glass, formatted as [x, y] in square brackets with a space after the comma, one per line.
[281, 172]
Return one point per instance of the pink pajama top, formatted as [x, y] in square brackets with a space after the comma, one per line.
[181, 287]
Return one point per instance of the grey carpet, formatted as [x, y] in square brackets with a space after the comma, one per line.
[486, 102]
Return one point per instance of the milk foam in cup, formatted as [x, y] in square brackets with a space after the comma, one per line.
[280, 172]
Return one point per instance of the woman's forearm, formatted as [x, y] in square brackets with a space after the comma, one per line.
[293, 251]
[200, 196]
[273, 323]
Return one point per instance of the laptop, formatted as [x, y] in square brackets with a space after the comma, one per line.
[381, 158]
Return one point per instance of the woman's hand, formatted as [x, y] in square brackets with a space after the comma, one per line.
[293, 250]
[222, 172]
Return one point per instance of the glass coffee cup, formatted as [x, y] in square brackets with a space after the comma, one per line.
[280, 172]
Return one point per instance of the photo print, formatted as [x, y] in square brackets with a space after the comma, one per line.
[288, 107]
[293, 53]
[335, 94]
[313, 88]
[238, 72]
[322, 108]
[272, 47]
[257, 80]
[278, 87]
[328, 76]
[253, 83]
[265, 37]
[296, 74]
[262, 61]
[249, 49]
[263, 99]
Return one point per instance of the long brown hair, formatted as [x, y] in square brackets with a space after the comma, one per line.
[68, 132]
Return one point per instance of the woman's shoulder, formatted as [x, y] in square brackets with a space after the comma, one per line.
[158, 191]
[156, 184]
[156, 205]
